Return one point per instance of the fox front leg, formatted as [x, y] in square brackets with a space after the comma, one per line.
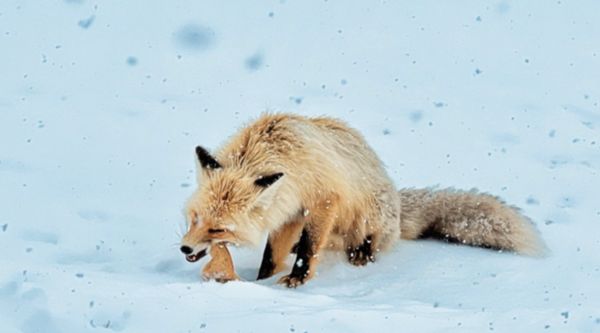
[301, 271]
[278, 247]
[314, 237]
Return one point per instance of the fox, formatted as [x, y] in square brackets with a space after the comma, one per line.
[312, 184]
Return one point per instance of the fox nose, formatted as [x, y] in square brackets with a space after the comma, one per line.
[186, 249]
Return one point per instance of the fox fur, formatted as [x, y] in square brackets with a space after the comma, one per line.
[315, 184]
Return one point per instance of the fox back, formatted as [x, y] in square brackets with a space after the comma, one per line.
[312, 159]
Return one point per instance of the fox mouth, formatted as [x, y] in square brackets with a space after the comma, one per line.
[195, 257]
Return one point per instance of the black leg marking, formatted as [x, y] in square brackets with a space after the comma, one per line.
[267, 266]
[301, 268]
[294, 249]
[362, 254]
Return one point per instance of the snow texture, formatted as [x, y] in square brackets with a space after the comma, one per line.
[102, 104]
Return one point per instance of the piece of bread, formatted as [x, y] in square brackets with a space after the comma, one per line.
[220, 267]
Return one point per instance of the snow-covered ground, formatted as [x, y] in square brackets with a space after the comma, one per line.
[103, 102]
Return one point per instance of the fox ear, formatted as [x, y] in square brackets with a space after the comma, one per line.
[206, 160]
[269, 185]
[266, 181]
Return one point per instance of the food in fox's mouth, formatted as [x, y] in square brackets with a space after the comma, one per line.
[220, 267]
[195, 257]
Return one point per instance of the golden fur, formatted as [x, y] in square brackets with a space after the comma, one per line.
[220, 267]
[335, 188]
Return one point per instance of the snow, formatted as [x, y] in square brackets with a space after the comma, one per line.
[102, 104]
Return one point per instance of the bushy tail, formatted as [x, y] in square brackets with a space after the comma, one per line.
[471, 218]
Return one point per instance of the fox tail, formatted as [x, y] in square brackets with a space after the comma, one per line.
[467, 217]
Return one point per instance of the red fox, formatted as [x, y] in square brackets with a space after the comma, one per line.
[314, 184]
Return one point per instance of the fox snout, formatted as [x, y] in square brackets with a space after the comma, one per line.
[193, 250]
[198, 239]
[190, 255]
[194, 245]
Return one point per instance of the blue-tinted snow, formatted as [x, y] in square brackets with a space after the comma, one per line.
[98, 127]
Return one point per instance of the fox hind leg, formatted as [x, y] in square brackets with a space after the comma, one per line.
[363, 253]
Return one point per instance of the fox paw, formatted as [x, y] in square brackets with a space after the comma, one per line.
[362, 254]
[292, 281]
[359, 258]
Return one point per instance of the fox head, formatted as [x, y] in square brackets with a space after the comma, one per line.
[227, 206]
